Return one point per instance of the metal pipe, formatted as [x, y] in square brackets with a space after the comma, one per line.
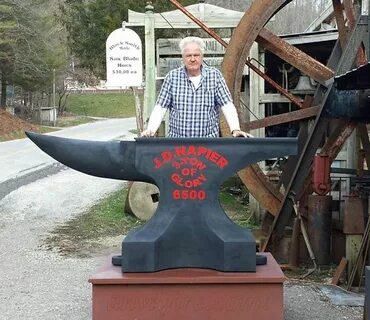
[319, 225]
[294, 244]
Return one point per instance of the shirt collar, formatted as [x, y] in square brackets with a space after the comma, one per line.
[203, 71]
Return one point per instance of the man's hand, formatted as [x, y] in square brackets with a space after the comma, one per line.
[239, 133]
[147, 133]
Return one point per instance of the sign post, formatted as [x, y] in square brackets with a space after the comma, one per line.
[149, 94]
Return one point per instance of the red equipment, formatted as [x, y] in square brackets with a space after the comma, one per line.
[321, 174]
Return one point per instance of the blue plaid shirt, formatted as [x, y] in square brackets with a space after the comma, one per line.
[194, 112]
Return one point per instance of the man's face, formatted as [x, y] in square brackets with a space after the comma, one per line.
[192, 58]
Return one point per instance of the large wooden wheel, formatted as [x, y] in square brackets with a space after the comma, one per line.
[250, 29]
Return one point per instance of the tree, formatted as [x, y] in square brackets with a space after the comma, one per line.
[7, 28]
[286, 20]
[239, 5]
[89, 23]
[30, 46]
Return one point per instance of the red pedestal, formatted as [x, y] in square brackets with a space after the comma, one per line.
[187, 294]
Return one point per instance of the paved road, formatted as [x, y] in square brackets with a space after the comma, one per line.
[37, 194]
[22, 162]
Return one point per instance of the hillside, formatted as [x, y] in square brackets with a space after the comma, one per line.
[10, 124]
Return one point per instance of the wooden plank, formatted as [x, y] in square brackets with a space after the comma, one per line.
[139, 112]
[167, 64]
[273, 98]
[353, 249]
[211, 15]
[170, 47]
[169, 55]
[339, 271]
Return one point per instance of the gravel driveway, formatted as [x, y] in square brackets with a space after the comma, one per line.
[38, 284]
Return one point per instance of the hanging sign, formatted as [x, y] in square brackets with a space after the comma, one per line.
[124, 59]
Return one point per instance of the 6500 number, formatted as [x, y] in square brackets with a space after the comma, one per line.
[188, 194]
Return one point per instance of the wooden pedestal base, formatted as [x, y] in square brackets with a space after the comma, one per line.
[184, 294]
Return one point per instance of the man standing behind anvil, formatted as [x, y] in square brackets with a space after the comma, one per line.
[194, 95]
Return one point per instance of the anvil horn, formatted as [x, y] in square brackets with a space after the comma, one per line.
[106, 159]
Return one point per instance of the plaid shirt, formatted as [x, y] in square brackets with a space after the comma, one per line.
[194, 112]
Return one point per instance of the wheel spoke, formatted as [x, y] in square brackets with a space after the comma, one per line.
[283, 118]
[253, 21]
[297, 58]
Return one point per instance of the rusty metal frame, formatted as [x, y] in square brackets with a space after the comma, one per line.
[365, 141]
[300, 180]
[283, 118]
[351, 19]
[241, 42]
[341, 24]
[295, 57]
[250, 29]
[253, 177]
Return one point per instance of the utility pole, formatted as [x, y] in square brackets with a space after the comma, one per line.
[54, 107]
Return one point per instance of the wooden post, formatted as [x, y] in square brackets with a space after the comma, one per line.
[339, 271]
[256, 87]
[367, 294]
[353, 228]
[365, 4]
[149, 94]
[139, 112]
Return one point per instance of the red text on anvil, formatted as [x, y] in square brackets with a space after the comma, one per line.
[196, 151]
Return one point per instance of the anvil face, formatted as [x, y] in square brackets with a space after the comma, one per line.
[189, 228]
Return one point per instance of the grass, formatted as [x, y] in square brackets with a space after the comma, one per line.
[81, 108]
[106, 219]
[102, 220]
[236, 210]
[72, 121]
[106, 105]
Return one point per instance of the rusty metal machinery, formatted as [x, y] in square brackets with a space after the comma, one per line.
[336, 86]
[321, 174]
[348, 52]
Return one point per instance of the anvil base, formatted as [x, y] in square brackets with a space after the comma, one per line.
[184, 294]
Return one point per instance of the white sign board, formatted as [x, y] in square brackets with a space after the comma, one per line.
[124, 59]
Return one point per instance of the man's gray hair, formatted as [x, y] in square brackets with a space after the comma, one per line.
[199, 41]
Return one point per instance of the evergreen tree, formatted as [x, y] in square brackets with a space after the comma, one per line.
[89, 23]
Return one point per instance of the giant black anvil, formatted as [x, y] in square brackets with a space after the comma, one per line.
[189, 228]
